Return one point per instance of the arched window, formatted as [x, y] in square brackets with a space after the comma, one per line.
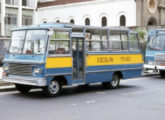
[122, 20]
[104, 21]
[72, 21]
[87, 21]
[57, 21]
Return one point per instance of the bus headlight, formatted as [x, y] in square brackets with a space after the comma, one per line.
[37, 70]
[150, 63]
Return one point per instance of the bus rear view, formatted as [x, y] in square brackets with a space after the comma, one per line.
[155, 51]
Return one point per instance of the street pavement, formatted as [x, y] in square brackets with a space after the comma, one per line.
[136, 99]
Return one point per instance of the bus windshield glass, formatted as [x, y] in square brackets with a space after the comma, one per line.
[156, 43]
[17, 41]
[28, 42]
[160, 43]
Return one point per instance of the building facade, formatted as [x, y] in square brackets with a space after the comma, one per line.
[88, 12]
[16, 13]
[130, 13]
[150, 12]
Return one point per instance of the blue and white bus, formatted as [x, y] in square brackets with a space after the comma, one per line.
[155, 51]
[52, 55]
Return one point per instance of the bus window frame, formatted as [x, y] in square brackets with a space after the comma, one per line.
[70, 42]
[26, 30]
[120, 51]
[132, 32]
[101, 51]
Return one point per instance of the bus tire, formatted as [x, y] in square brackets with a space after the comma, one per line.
[24, 89]
[112, 84]
[53, 89]
[162, 73]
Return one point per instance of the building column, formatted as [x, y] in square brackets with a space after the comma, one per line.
[139, 12]
[34, 17]
[2, 17]
[19, 21]
[35, 12]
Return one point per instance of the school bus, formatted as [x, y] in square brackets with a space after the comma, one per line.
[53, 55]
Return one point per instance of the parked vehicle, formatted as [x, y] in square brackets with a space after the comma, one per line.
[155, 51]
[52, 55]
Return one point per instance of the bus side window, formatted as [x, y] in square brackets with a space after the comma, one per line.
[124, 39]
[133, 42]
[119, 41]
[59, 43]
[97, 40]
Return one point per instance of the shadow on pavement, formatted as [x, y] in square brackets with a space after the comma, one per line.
[73, 91]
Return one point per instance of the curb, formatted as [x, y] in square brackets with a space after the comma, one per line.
[7, 88]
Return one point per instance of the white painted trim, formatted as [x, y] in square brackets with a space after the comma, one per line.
[56, 19]
[71, 17]
[44, 20]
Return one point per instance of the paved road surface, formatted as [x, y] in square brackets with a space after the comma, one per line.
[136, 99]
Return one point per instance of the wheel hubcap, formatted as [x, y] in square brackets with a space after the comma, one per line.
[54, 87]
[115, 81]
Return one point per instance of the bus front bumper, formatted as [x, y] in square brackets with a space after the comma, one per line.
[149, 67]
[25, 80]
[160, 67]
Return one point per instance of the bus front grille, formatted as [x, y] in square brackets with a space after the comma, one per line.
[20, 69]
[160, 59]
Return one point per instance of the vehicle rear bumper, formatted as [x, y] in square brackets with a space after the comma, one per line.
[25, 80]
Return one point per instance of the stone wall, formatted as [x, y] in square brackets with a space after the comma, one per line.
[150, 12]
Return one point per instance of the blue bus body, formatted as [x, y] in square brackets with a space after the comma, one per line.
[77, 66]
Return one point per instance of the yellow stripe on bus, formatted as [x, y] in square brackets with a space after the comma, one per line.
[97, 60]
[59, 62]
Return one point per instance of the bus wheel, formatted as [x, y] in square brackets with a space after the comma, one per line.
[162, 73]
[53, 89]
[24, 89]
[114, 83]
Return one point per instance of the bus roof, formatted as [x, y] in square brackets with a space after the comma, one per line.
[67, 25]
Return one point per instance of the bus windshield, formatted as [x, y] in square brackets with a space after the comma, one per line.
[160, 43]
[28, 42]
[156, 43]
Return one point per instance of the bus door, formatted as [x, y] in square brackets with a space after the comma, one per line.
[78, 57]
